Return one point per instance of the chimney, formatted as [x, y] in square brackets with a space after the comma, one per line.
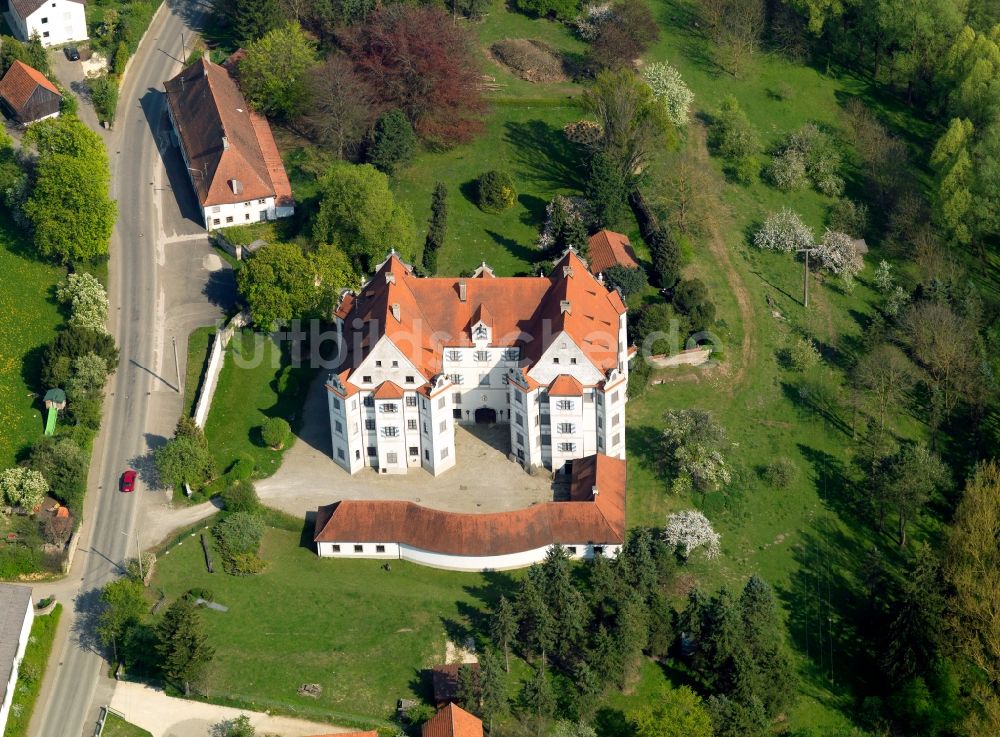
[564, 307]
[594, 490]
[462, 291]
[225, 143]
[395, 310]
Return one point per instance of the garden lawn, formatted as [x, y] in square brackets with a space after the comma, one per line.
[31, 672]
[256, 383]
[199, 343]
[115, 726]
[30, 318]
[363, 633]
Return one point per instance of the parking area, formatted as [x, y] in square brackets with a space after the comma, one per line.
[483, 480]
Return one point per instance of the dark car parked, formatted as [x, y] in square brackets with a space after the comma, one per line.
[71, 53]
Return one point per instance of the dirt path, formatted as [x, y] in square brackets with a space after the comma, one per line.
[717, 245]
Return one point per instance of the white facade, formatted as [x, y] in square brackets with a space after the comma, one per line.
[56, 22]
[401, 551]
[26, 617]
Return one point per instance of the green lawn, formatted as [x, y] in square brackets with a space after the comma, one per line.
[256, 382]
[115, 726]
[31, 672]
[27, 303]
[362, 633]
[199, 343]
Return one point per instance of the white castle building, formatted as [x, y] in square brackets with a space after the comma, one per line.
[546, 354]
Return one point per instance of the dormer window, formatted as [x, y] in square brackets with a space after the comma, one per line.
[236, 185]
[480, 332]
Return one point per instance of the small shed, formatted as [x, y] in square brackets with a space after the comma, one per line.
[607, 249]
[27, 96]
[55, 399]
[446, 682]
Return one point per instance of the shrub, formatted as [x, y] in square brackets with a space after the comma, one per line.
[241, 497]
[58, 357]
[788, 171]
[800, 355]
[629, 280]
[731, 136]
[393, 141]
[688, 530]
[200, 593]
[185, 460]
[559, 9]
[848, 216]
[692, 445]
[242, 469]
[64, 466]
[495, 191]
[244, 564]
[104, 95]
[23, 487]
[783, 231]
[275, 432]
[690, 297]
[238, 535]
[837, 253]
[808, 154]
[670, 90]
[780, 472]
[57, 530]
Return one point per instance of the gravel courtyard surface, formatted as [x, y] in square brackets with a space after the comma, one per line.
[483, 480]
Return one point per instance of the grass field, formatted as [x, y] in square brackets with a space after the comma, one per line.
[32, 669]
[30, 317]
[256, 382]
[199, 343]
[115, 726]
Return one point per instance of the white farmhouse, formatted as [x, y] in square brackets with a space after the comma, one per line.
[16, 616]
[55, 21]
[228, 149]
[546, 354]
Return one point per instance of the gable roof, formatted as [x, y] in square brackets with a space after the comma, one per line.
[453, 721]
[20, 83]
[229, 146]
[607, 249]
[596, 519]
[565, 386]
[423, 316]
[24, 8]
[445, 681]
[388, 390]
[14, 603]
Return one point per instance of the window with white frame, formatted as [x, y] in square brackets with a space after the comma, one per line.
[456, 398]
[391, 458]
[566, 428]
[456, 379]
[482, 355]
[411, 424]
[369, 424]
[444, 453]
[614, 397]
[411, 401]
[616, 438]
[369, 401]
[389, 407]
[564, 404]
[616, 420]
[390, 431]
[567, 447]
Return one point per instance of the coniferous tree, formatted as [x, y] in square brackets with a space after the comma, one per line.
[631, 633]
[468, 698]
[495, 688]
[182, 644]
[537, 626]
[537, 695]
[606, 657]
[662, 625]
[438, 227]
[564, 601]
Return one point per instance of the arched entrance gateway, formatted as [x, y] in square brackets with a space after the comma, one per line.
[486, 415]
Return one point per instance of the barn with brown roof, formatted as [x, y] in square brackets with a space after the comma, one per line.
[229, 150]
[27, 96]
[590, 523]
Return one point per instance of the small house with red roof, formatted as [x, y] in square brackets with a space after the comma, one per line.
[452, 721]
[228, 149]
[607, 248]
[27, 96]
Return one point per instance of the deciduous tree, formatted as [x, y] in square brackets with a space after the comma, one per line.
[690, 530]
[274, 72]
[341, 106]
[675, 712]
[23, 487]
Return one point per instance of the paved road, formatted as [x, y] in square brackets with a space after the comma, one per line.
[149, 305]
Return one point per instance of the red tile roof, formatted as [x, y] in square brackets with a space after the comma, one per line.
[370, 733]
[388, 390]
[608, 248]
[585, 518]
[522, 311]
[453, 721]
[24, 8]
[565, 386]
[230, 147]
[20, 82]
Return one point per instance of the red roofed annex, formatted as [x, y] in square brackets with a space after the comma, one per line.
[547, 355]
[229, 151]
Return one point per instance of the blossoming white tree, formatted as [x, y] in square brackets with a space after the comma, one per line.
[837, 253]
[689, 530]
[693, 443]
[670, 90]
[783, 231]
[23, 487]
[87, 300]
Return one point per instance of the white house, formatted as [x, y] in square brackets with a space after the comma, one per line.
[591, 523]
[16, 615]
[229, 151]
[546, 354]
[55, 21]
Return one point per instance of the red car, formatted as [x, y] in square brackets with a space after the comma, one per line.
[128, 481]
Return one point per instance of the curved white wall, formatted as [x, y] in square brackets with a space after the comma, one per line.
[450, 562]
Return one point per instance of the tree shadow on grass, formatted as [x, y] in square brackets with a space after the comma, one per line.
[534, 210]
[516, 249]
[544, 156]
[833, 484]
[646, 444]
[817, 398]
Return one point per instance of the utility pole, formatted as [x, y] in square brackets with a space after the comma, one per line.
[177, 365]
[183, 49]
[805, 275]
